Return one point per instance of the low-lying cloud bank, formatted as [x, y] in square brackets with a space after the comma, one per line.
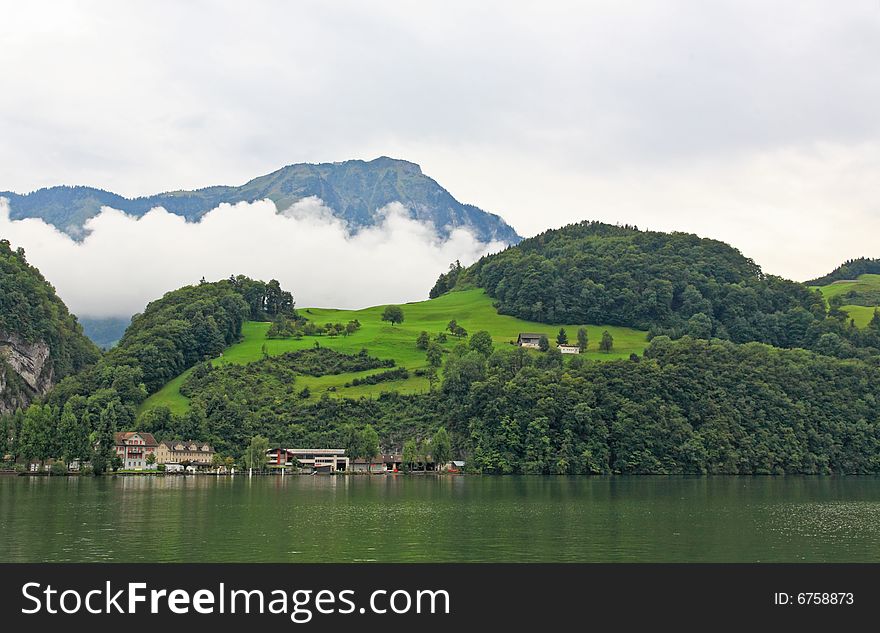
[126, 262]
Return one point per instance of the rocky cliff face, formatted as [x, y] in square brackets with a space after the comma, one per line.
[26, 371]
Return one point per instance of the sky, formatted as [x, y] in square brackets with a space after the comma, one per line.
[751, 122]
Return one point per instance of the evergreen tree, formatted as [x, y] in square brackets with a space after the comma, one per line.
[583, 340]
[562, 337]
[607, 342]
[73, 435]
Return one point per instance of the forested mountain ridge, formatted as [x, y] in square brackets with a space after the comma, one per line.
[354, 190]
[40, 341]
[849, 270]
[670, 283]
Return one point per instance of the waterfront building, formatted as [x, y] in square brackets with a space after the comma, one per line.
[133, 448]
[171, 452]
[315, 459]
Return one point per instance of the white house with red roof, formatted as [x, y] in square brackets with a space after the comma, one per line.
[133, 447]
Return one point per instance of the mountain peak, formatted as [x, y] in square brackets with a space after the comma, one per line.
[355, 190]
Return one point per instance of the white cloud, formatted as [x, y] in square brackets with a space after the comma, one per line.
[125, 262]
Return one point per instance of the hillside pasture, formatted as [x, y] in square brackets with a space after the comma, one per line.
[868, 283]
[472, 309]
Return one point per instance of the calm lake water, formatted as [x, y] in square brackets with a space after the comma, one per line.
[397, 518]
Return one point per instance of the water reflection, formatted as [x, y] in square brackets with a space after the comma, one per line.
[425, 518]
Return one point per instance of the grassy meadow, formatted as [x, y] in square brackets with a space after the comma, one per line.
[862, 315]
[472, 309]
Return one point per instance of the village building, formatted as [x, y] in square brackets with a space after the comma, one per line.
[180, 452]
[529, 339]
[133, 448]
[326, 460]
[570, 349]
[385, 463]
[373, 466]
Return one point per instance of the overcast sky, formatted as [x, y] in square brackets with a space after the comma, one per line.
[756, 123]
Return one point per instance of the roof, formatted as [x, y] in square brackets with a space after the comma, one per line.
[172, 443]
[530, 335]
[120, 438]
[458, 463]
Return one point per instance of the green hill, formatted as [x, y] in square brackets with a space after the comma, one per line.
[472, 309]
[40, 341]
[849, 270]
[857, 297]
[671, 283]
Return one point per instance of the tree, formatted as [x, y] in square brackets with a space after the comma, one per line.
[369, 441]
[394, 314]
[455, 329]
[73, 435]
[441, 447]
[255, 454]
[35, 442]
[435, 354]
[583, 340]
[482, 342]
[423, 340]
[543, 343]
[352, 326]
[607, 342]
[432, 378]
[409, 456]
[700, 326]
[351, 441]
[562, 337]
[150, 459]
[5, 442]
[422, 451]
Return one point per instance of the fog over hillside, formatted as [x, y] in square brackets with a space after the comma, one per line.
[124, 262]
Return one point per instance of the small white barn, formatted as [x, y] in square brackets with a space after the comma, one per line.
[569, 349]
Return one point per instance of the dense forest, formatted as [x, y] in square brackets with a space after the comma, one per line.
[672, 284]
[30, 309]
[686, 406]
[709, 395]
[849, 270]
[231, 403]
[174, 333]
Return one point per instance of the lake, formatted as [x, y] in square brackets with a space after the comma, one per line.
[451, 518]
